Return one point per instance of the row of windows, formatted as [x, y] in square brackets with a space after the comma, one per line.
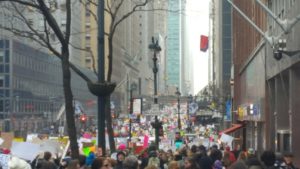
[4, 56]
[4, 44]
[34, 86]
[33, 63]
[26, 106]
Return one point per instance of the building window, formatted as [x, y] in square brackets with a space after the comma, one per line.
[7, 56]
[1, 81]
[1, 55]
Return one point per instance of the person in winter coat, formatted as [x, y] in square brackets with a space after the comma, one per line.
[120, 159]
[268, 159]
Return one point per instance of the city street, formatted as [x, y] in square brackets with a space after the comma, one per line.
[149, 84]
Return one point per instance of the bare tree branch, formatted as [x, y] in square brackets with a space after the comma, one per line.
[108, 9]
[118, 7]
[92, 55]
[92, 2]
[68, 22]
[89, 10]
[52, 22]
[127, 15]
[25, 3]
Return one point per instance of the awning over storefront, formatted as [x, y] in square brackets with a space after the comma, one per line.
[232, 129]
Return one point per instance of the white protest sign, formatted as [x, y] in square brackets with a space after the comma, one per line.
[4, 158]
[1, 141]
[51, 146]
[25, 150]
[226, 138]
[31, 137]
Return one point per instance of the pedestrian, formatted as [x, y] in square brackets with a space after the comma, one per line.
[153, 160]
[48, 162]
[120, 159]
[252, 160]
[288, 159]
[216, 156]
[82, 160]
[73, 164]
[226, 159]
[242, 156]
[90, 158]
[130, 162]
[238, 165]
[101, 163]
[190, 163]
[231, 155]
[268, 159]
[173, 165]
[151, 167]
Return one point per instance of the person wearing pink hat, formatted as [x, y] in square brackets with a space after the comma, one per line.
[122, 147]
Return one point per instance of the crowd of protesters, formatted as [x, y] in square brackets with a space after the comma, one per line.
[195, 157]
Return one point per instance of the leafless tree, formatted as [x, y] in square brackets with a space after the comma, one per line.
[42, 37]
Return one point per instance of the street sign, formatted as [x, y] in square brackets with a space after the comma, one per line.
[154, 111]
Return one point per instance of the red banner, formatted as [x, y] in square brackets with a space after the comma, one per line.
[203, 43]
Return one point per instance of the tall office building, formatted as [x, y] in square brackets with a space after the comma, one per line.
[220, 54]
[174, 44]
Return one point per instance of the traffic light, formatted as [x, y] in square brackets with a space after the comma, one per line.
[83, 118]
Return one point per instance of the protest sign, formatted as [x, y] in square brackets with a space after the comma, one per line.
[226, 139]
[4, 158]
[8, 139]
[25, 150]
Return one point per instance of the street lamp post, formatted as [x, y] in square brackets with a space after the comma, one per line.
[132, 88]
[190, 99]
[156, 49]
[178, 107]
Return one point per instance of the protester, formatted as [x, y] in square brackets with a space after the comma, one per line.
[120, 159]
[151, 167]
[231, 155]
[173, 165]
[216, 156]
[100, 163]
[288, 159]
[73, 164]
[153, 160]
[82, 160]
[238, 165]
[190, 163]
[90, 158]
[48, 162]
[130, 162]
[268, 159]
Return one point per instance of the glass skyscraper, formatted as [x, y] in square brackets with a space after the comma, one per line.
[174, 44]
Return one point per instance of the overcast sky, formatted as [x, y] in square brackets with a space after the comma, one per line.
[198, 24]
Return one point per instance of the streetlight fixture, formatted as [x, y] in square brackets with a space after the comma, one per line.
[190, 100]
[178, 107]
[154, 46]
[133, 87]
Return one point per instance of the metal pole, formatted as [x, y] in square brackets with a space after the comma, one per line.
[131, 111]
[156, 48]
[101, 77]
[155, 70]
[179, 121]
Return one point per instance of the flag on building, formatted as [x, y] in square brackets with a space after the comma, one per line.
[203, 43]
